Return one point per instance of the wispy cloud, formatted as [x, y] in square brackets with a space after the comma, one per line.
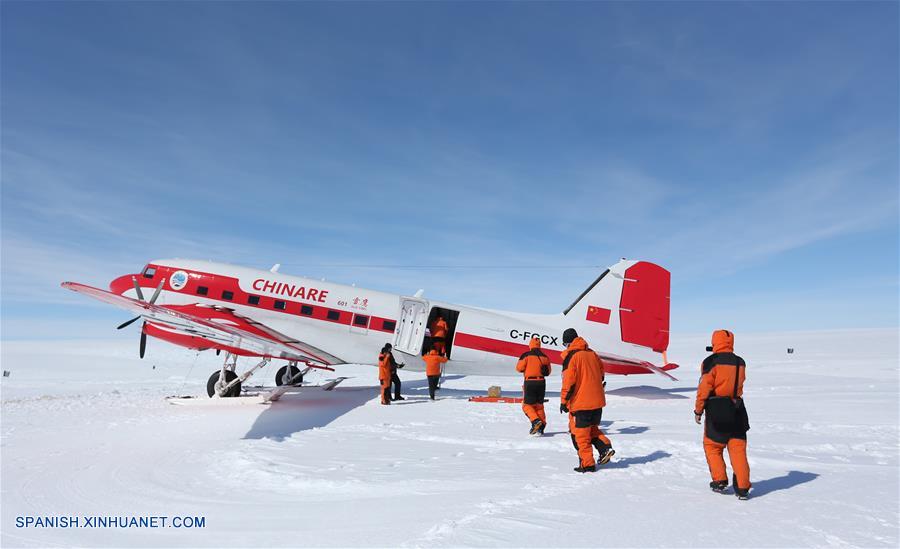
[713, 141]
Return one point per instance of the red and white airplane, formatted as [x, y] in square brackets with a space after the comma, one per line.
[624, 316]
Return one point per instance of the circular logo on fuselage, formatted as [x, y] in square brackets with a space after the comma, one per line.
[178, 280]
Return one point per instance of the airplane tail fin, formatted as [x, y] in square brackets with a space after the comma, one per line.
[630, 302]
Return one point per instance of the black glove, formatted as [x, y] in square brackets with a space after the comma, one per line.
[563, 409]
[401, 365]
[697, 417]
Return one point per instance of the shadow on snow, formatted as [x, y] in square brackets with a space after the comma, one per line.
[784, 482]
[308, 410]
[648, 392]
[637, 460]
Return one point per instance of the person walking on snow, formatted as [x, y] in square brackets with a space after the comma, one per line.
[719, 395]
[535, 366]
[433, 361]
[395, 379]
[385, 371]
[583, 397]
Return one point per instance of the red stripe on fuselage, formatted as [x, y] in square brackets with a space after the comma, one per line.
[499, 347]
[217, 284]
[508, 348]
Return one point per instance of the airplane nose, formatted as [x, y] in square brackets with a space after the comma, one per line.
[122, 284]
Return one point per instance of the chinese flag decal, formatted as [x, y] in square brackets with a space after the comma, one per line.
[598, 314]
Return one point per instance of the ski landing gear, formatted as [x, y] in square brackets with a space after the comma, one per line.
[226, 382]
[290, 375]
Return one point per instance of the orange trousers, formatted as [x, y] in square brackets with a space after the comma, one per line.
[599, 433]
[583, 438]
[385, 390]
[737, 453]
[535, 411]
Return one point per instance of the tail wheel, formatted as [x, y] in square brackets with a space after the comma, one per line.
[286, 373]
[229, 377]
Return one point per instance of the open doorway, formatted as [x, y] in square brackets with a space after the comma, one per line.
[450, 318]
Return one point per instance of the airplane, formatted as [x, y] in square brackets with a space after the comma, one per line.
[203, 305]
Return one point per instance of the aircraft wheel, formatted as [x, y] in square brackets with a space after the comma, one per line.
[229, 377]
[284, 375]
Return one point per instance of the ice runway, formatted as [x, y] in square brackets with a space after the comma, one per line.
[86, 431]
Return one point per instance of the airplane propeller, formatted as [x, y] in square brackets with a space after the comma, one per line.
[140, 295]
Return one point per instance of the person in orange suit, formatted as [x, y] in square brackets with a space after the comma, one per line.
[719, 395]
[395, 378]
[535, 366]
[385, 372]
[583, 397]
[433, 361]
[439, 335]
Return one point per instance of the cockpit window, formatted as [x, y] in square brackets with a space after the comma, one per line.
[149, 272]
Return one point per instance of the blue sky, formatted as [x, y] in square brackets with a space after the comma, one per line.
[751, 148]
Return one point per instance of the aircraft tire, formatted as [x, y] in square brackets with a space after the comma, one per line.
[229, 377]
[279, 377]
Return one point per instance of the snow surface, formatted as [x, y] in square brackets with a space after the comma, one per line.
[86, 431]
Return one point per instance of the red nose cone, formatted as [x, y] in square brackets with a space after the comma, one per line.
[122, 284]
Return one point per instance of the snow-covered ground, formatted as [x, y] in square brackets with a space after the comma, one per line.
[86, 431]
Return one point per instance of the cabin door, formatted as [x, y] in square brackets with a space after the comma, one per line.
[411, 328]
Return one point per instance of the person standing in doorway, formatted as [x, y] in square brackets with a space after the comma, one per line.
[439, 335]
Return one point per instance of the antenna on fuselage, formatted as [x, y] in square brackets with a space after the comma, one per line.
[275, 267]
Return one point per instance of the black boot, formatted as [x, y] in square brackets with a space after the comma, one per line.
[605, 450]
[741, 493]
[543, 426]
[536, 427]
[398, 397]
[718, 486]
[588, 469]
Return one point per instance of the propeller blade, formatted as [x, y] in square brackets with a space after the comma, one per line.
[158, 290]
[143, 341]
[137, 288]
[127, 323]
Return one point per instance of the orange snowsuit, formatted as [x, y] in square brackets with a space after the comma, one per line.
[535, 365]
[722, 375]
[433, 363]
[439, 335]
[385, 371]
[583, 394]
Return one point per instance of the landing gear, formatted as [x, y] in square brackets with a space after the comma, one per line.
[233, 391]
[226, 382]
[288, 375]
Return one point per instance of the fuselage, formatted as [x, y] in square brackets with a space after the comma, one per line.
[352, 324]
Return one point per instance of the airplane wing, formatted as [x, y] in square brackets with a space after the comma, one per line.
[219, 325]
[661, 371]
[618, 365]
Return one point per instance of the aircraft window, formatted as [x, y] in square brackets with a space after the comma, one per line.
[360, 320]
[389, 325]
[149, 272]
[202, 290]
[334, 315]
[227, 295]
[279, 305]
[306, 310]
[253, 299]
